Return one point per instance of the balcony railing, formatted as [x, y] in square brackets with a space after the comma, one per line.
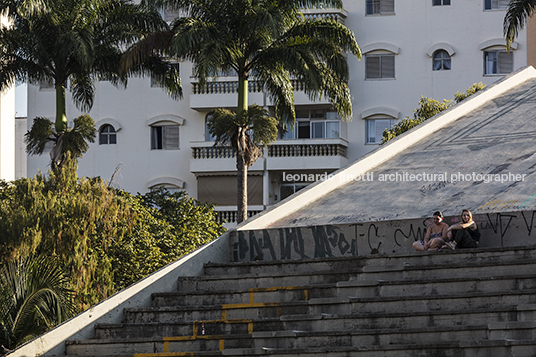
[229, 87]
[224, 87]
[325, 13]
[231, 216]
[306, 150]
[280, 149]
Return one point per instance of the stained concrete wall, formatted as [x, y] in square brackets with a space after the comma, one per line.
[502, 229]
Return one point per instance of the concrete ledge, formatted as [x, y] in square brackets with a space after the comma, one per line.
[81, 327]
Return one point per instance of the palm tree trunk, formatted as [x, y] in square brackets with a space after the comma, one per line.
[61, 117]
[242, 178]
[242, 96]
[241, 167]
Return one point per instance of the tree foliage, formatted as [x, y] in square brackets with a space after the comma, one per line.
[428, 107]
[34, 297]
[168, 225]
[89, 228]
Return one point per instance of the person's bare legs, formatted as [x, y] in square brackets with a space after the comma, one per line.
[436, 244]
[419, 247]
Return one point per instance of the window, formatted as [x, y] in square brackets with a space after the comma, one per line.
[208, 135]
[441, 61]
[380, 7]
[315, 124]
[289, 189]
[498, 62]
[165, 137]
[158, 82]
[375, 128]
[107, 135]
[495, 4]
[379, 66]
[441, 2]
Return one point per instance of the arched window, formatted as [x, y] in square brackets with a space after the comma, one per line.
[441, 61]
[107, 135]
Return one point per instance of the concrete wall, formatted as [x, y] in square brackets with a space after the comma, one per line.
[110, 310]
[505, 229]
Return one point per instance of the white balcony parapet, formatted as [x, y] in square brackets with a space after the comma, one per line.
[224, 85]
[283, 148]
[325, 13]
[229, 214]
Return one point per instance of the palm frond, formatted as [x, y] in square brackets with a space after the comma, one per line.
[516, 17]
[76, 140]
[39, 135]
[34, 297]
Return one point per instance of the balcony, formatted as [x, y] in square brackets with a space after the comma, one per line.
[281, 155]
[325, 13]
[222, 93]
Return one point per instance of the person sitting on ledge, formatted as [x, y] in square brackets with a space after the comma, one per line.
[464, 234]
[434, 234]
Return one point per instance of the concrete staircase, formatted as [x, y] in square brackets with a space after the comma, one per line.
[454, 303]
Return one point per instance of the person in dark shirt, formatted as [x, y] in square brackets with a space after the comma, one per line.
[464, 234]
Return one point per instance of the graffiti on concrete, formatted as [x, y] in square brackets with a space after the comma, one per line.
[498, 229]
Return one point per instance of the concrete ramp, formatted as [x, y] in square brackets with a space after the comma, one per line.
[480, 155]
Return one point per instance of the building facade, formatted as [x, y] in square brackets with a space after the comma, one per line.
[410, 48]
[7, 128]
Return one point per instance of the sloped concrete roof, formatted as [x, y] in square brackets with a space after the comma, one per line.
[480, 155]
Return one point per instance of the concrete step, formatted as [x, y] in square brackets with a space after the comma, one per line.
[268, 280]
[351, 288]
[392, 273]
[341, 264]
[322, 322]
[271, 294]
[332, 344]
[215, 312]
[334, 305]
[427, 303]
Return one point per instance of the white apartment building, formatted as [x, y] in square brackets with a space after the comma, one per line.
[410, 48]
[7, 128]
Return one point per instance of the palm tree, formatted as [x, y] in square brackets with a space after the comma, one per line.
[267, 41]
[77, 41]
[516, 17]
[33, 298]
[246, 134]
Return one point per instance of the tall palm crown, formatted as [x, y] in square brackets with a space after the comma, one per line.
[269, 41]
[76, 40]
[517, 13]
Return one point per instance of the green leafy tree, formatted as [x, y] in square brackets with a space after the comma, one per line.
[34, 297]
[168, 226]
[77, 41]
[516, 17]
[268, 42]
[105, 239]
[428, 107]
[71, 219]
